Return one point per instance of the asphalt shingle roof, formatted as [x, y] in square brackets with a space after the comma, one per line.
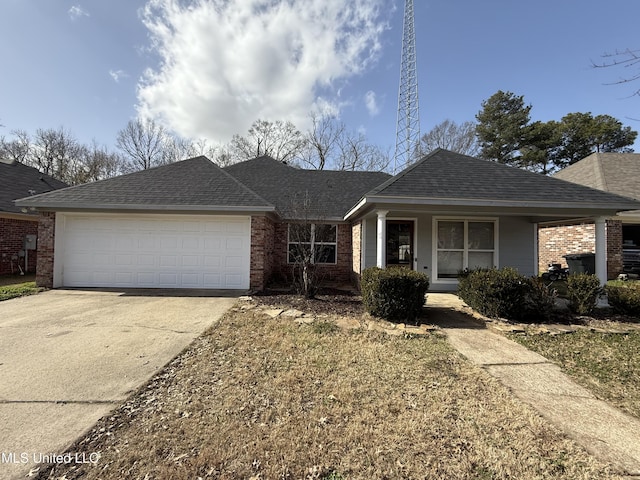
[196, 182]
[18, 181]
[329, 193]
[448, 175]
[617, 173]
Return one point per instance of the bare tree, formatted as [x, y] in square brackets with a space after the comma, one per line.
[97, 163]
[626, 59]
[17, 149]
[356, 153]
[311, 243]
[451, 136]
[321, 141]
[55, 152]
[143, 142]
[279, 140]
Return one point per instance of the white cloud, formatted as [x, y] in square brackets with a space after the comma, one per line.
[371, 102]
[226, 63]
[76, 12]
[118, 75]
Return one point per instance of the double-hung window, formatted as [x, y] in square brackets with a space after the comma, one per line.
[462, 244]
[313, 242]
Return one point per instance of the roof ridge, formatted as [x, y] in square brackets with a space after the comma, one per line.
[243, 185]
[599, 171]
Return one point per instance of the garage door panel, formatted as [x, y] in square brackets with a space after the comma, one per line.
[144, 251]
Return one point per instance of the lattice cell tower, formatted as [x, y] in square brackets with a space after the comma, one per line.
[408, 125]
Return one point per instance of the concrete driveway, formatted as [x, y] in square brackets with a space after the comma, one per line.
[68, 357]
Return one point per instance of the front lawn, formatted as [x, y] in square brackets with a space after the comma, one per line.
[605, 363]
[268, 398]
[18, 290]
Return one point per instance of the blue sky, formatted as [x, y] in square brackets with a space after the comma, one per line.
[210, 69]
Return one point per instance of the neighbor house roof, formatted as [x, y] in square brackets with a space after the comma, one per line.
[447, 178]
[328, 194]
[18, 180]
[193, 184]
[612, 172]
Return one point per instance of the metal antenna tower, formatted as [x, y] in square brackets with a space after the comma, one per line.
[408, 125]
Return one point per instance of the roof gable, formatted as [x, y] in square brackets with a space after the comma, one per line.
[328, 194]
[18, 180]
[447, 175]
[196, 183]
[617, 173]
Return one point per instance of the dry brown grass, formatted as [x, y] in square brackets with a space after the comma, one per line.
[266, 398]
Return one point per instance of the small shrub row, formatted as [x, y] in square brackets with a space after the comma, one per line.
[504, 293]
[624, 297]
[394, 293]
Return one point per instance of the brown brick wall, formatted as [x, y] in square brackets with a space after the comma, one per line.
[12, 234]
[46, 238]
[262, 235]
[554, 242]
[340, 272]
[356, 242]
[614, 248]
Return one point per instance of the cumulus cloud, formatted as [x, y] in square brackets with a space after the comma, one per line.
[76, 12]
[226, 63]
[371, 102]
[118, 75]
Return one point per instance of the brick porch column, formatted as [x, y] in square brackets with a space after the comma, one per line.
[601, 249]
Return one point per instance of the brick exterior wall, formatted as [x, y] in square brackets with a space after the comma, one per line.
[554, 242]
[46, 241]
[356, 262]
[614, 248]
[341, 272]
[12, 234]
[262, 260]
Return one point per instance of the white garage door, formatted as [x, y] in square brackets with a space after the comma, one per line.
[157, 251]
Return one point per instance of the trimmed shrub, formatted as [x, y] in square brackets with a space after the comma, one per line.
[583, 290]
[624, 297]
[506, 294]
[494, 293]
[394, 293]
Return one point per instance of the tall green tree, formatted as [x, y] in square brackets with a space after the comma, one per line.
[502, 127]
[583, 134]
[541, 147]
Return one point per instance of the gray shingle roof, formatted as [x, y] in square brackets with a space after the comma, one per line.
[617, 173]
[451, 176]
[18, 181]
[194, 184]
[330, 194]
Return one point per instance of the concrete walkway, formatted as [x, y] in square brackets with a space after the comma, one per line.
[601, 429]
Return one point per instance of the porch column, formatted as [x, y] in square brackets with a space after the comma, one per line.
[381, 243]
[601, 249]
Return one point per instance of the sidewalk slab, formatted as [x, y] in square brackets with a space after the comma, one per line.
[604, 431]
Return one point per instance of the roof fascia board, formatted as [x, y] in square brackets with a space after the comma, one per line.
[474, 202]
[143, 207]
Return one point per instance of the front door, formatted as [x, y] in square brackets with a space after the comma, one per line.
[400, 243]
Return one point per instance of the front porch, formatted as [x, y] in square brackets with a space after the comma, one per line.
[442, 243]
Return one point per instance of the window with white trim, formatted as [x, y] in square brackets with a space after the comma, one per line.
[462, 244]
[313, 242]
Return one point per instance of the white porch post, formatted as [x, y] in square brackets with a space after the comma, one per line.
[601, 249]
[381, 243]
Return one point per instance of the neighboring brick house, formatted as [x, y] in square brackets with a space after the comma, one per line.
[18, 224]
[617, 173]
[192, 224]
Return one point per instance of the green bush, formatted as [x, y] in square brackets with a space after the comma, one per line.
[394, 293]
[624, 297]
[506, 294]
[583, 290]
